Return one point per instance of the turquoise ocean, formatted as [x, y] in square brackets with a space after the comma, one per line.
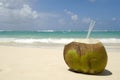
[38, 38]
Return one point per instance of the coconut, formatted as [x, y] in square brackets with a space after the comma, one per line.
[86, 56]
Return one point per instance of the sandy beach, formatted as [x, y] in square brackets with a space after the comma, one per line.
[47, 63]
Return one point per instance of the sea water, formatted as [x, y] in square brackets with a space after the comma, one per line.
[38, 38]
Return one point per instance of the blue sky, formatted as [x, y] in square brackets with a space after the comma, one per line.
[59, 14]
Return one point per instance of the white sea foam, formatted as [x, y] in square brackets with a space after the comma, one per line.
[52, 40]
[45, 30]
[32, 41]
[49, 40]
[110, 40]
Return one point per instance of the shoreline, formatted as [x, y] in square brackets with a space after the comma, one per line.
[47, 63]
[108, 46]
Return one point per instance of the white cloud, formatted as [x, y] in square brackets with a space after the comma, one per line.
[24, 12]
[1, 3]
[27, 11]
[21, 9]
[69, 12]
[114, 18]
[13, 4]
[21, 15]
[75, 21]
[86, 20]
[73, 16]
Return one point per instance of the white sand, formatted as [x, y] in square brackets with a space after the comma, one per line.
[17, 63]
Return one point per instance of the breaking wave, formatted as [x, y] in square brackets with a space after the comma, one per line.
[51, 40]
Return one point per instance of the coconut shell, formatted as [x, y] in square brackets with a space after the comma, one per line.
[85, 58]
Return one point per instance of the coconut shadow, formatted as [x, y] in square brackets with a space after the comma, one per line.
[104, 73]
